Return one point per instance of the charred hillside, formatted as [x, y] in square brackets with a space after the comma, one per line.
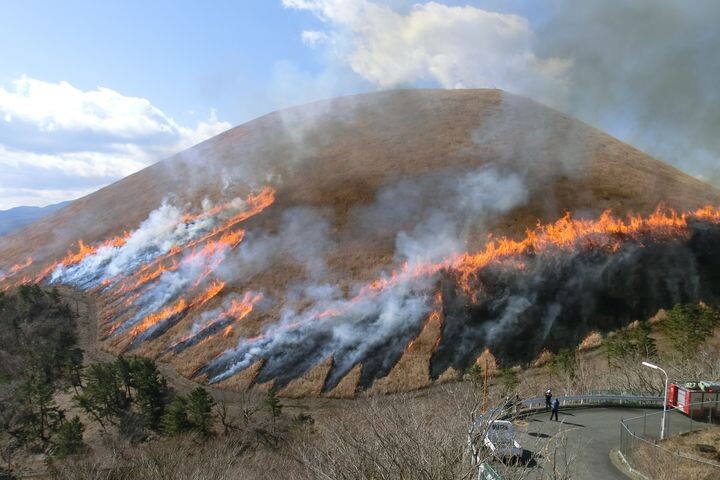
[336, 245]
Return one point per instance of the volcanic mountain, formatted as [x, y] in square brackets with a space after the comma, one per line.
[380, 241]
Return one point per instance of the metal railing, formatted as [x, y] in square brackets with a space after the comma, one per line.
[595, 400]
[531, 405]
[644, 452]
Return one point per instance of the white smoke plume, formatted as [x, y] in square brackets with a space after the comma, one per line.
[303, 236]
[374, 323]
[165, 228]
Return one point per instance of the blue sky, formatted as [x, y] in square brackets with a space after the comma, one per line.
[92, 91]
[184, 56]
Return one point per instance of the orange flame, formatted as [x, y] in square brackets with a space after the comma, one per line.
[434, 317]
[210, 293]
[607, 233]
[176, 309]
[16, 268]
[209, 252]
[144, 276]
[255, 204]
[83, 251]
[157, 317]
[20, 266]
[238, 310]
[75, 258]
[228, 330]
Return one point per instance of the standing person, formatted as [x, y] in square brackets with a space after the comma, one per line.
[548, 399]
[555, 409]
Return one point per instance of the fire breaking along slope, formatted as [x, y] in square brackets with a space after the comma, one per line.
[380, 242]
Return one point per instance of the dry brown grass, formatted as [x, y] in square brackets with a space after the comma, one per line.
[592, 340]
[688, 444]
[347, 388]
[543, 358]
[487, 359]
[403, 436]
[413, 369]
[311, 384]
[448, 376]
[349, 149]
[660, 464]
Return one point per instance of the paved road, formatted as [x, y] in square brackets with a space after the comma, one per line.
[579, 444]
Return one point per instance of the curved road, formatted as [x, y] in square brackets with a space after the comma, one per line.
[578, 446]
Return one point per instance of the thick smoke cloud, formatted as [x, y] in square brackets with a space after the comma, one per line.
[558, 298]
[645, 71]
[372, 328]
[164, 229]
[373, 324]
[303, 237]
[170, 256]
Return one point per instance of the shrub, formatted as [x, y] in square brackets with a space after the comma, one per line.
[475, 374]
[509, 380]
[630, 345]
[272, 402]
[688, 326]
[132, 427]
[303, 419]
[102, 397]
[564, 363]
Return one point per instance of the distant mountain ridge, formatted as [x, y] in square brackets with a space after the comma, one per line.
[16, 218]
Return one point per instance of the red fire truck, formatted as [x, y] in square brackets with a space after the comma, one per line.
[695, 398]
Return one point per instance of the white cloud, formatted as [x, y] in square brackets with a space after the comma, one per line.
[455, 47]
[12, 197]
[645, 71]
[61, 107]
[312, 38]
[57, 141]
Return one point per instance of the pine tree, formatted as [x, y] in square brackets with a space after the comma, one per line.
[150, 390]
[273, 403]
[41, 414]
[200, 411]
[123, 370]
[102, 397]
[69, 438]
[175, 420]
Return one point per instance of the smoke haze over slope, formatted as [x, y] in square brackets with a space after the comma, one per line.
[328, 236]
[644, 71]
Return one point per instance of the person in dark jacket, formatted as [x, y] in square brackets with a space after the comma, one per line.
[548, 399]
[555, 409]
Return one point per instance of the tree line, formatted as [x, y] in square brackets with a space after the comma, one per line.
[40, 358]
